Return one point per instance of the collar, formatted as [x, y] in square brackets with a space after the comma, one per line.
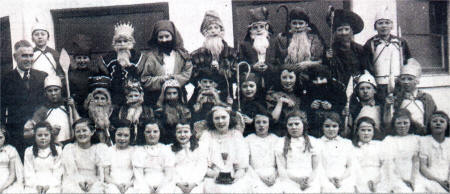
[325, 139]
[42, 50]
[370, 103]
[44, 153]
[300, 139]
[360, 143]
[21, 72]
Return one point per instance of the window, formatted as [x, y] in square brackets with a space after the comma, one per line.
[426, 33]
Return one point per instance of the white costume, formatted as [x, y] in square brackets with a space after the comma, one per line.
[369, 161]
[42, 170]
[335, 155]
[437, 156]
[8, 154]
[121, 168]
[59, 116]
[83, 165]
[263, 162]
[150, 163]
[44, 61]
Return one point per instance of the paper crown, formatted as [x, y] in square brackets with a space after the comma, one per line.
[366, 77]
[412, 67]
[38, 26]
[52, 80]
[383, 14]
[123, 29]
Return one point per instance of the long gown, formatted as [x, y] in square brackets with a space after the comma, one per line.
[437, 156]
[369, 165]
[83, 165]
[42, 170]
[8, 154]
[121, 168]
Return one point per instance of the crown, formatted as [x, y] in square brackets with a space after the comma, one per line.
[123, 29]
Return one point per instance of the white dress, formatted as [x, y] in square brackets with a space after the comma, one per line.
[82, 165]
[334, 156]
[233, 145]
[42, 170]
[400, 151]
[369, 162]
[298, 164]
[121, 168]
[437, 156]
[263, 162]
[8, 154]
[190, 167]
[149, 163]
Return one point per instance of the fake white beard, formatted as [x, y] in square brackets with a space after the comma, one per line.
[100, 114]
[299, 49]
[260, 43]
[134, 113]
[214, 45]
[123, 57]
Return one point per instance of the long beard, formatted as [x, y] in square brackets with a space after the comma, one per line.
[214, 45]
[344, 38]
[134, 113]
[100, 115]
[299, 49]
[171, 113]
[123, 56]
[260, 43]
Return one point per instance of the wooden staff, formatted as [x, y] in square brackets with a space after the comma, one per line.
[64, 61]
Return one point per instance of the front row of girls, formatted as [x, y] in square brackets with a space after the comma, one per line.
[222, 160]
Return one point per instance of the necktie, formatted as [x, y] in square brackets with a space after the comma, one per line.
[26, 79]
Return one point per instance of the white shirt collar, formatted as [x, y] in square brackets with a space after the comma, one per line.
[21, 72]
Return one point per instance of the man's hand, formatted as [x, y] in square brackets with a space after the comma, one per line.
[326, 105]
[315, 104]
[329, 53]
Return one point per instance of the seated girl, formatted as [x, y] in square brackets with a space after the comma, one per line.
[435, 154]
[153, 163]
[190, 161]
[11, 169]
[297, 157]
[83, 161]
[42, 162]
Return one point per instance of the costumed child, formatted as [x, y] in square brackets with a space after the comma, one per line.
[190, 161]
[336, 156]
[43, 167]
[402, 151]
[83, 161]
[434, 154]
[298, 157]
[369, 160]
[119, 176]
[153, 162]
[11, 168]
[261, 145]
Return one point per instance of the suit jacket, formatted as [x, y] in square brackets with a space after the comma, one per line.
[17, 99]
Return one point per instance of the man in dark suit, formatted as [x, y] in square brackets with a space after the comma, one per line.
[21, 94]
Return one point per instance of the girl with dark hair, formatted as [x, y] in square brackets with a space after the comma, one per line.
[336, 156]
[297, 157]
[263, 166]
[153, 163]
[83, 161]
[227, 154]
[435, 154]
[42, 162]
[369, 160]
[11, 169]
[190, 161]
[118, 166]
[402, 154]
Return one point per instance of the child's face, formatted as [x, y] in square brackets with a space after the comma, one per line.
[207, 84]
[122, 137]
[100, 98]
[132, 97]
[365, 132]
[221, 120]
[2, 138]
[438, 124]
[330, 128]
[248, 89]
[82, 60]
[213, 30]
[172, 94]
[43, 137]
[261, 125]
[297, 25]
[383, 26]
[83, 133]
[287, 79]
[152, 134]
[402, 125]
[40, 37]
[408, 82]
[366, 91]
[183, 133]
[295, 126]
[53, 93]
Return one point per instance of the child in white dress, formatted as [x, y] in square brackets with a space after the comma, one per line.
[435, 154]
[336, 157]
[84, 161]
[402, 155]
[190, 161]
[297, 157]
[11, 169]
[153, 163]
[119, 176]
[369, 159]
[263, 166]
[42, 162]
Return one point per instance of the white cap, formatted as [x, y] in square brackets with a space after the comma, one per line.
[52, 80]
[39, 26]
[412, 67]
[368, 78]
[383, 14]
